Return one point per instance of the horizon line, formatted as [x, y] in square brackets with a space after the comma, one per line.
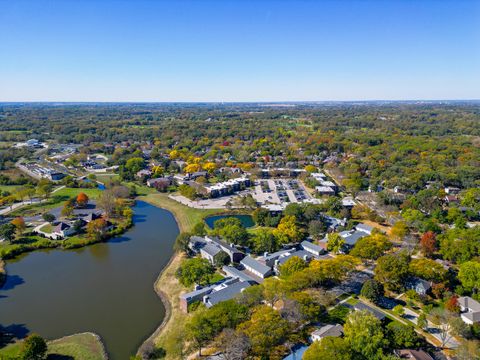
[229, 102]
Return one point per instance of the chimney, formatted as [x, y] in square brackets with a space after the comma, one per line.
[265, 254]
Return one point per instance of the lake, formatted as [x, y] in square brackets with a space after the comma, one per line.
[106, 288]
[246, 220]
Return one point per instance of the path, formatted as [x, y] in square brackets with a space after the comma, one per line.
[15, 206]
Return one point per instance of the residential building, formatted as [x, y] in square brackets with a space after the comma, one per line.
[421, 286]
[312, 248]
[327, 330]
[256, 267]
[470, 309]
[207, 294]
[324, 190]
[225, 293]
[233, 272]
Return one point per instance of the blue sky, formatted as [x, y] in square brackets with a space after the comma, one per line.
[238, 50]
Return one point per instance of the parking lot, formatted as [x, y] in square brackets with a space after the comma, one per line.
[281, 191]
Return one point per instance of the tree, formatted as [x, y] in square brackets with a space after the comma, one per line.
[272, 290]
[7, 231]
[399, 230]
[265, 329]
[264, 241]
[316, 228]
[251, 296]
[210, 167]
[310, 169]
[67, 209]
[106, 202]
[260, 216]
[310, 308]
[329, 348]
[372, 290]
[187, 191]
[398, 310]
[469, 275]
[468, 350]
[82, 199]
[335, 242]
[48, 217]
[205, 324]
[233, 344]
[196, 270]
[402, 336]
[363, 332]
[287, 230]
[182, 240]
[34, 347]
[371, 247]
[199, 229]
[19, 224]
[427, 269]
[44, 188]
[422, 322]
[452, 305]
[428, 243]
[132, 166]
[221, 259]
[448, 324]
[392, 270]
[96, 229]
[291, 266]
[232, 230]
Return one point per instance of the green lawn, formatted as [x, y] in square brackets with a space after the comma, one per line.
[186, 216]
[73, 192]
[84, 346]
[9, 188]
[56, 199]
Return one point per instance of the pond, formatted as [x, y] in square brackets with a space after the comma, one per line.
[246, 220]
[106, 288]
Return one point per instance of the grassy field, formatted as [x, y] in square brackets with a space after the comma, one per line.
[56, 199]
[171, 336]
[85, 346]
[186, 216]
[9, 188]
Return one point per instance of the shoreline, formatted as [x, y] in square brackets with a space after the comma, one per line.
[97, 337]
[168, 298]
[176, 256]
[3, 273]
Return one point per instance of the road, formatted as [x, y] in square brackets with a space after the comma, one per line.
[15, 206]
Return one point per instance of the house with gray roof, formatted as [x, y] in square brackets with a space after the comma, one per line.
[327, 330]
[352, 236]
[421, 286]
[224, 293]
[208, 247]
[236, 273]
[270, 259]
[312, 248]
[256, 267]
[234, 254]
[205, 293]
[365, 228]
[210, 251]
[302, 254]
[470, 309]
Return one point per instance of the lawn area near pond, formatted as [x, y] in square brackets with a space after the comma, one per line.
[85, 346]
[186, 216]
[56, 199]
